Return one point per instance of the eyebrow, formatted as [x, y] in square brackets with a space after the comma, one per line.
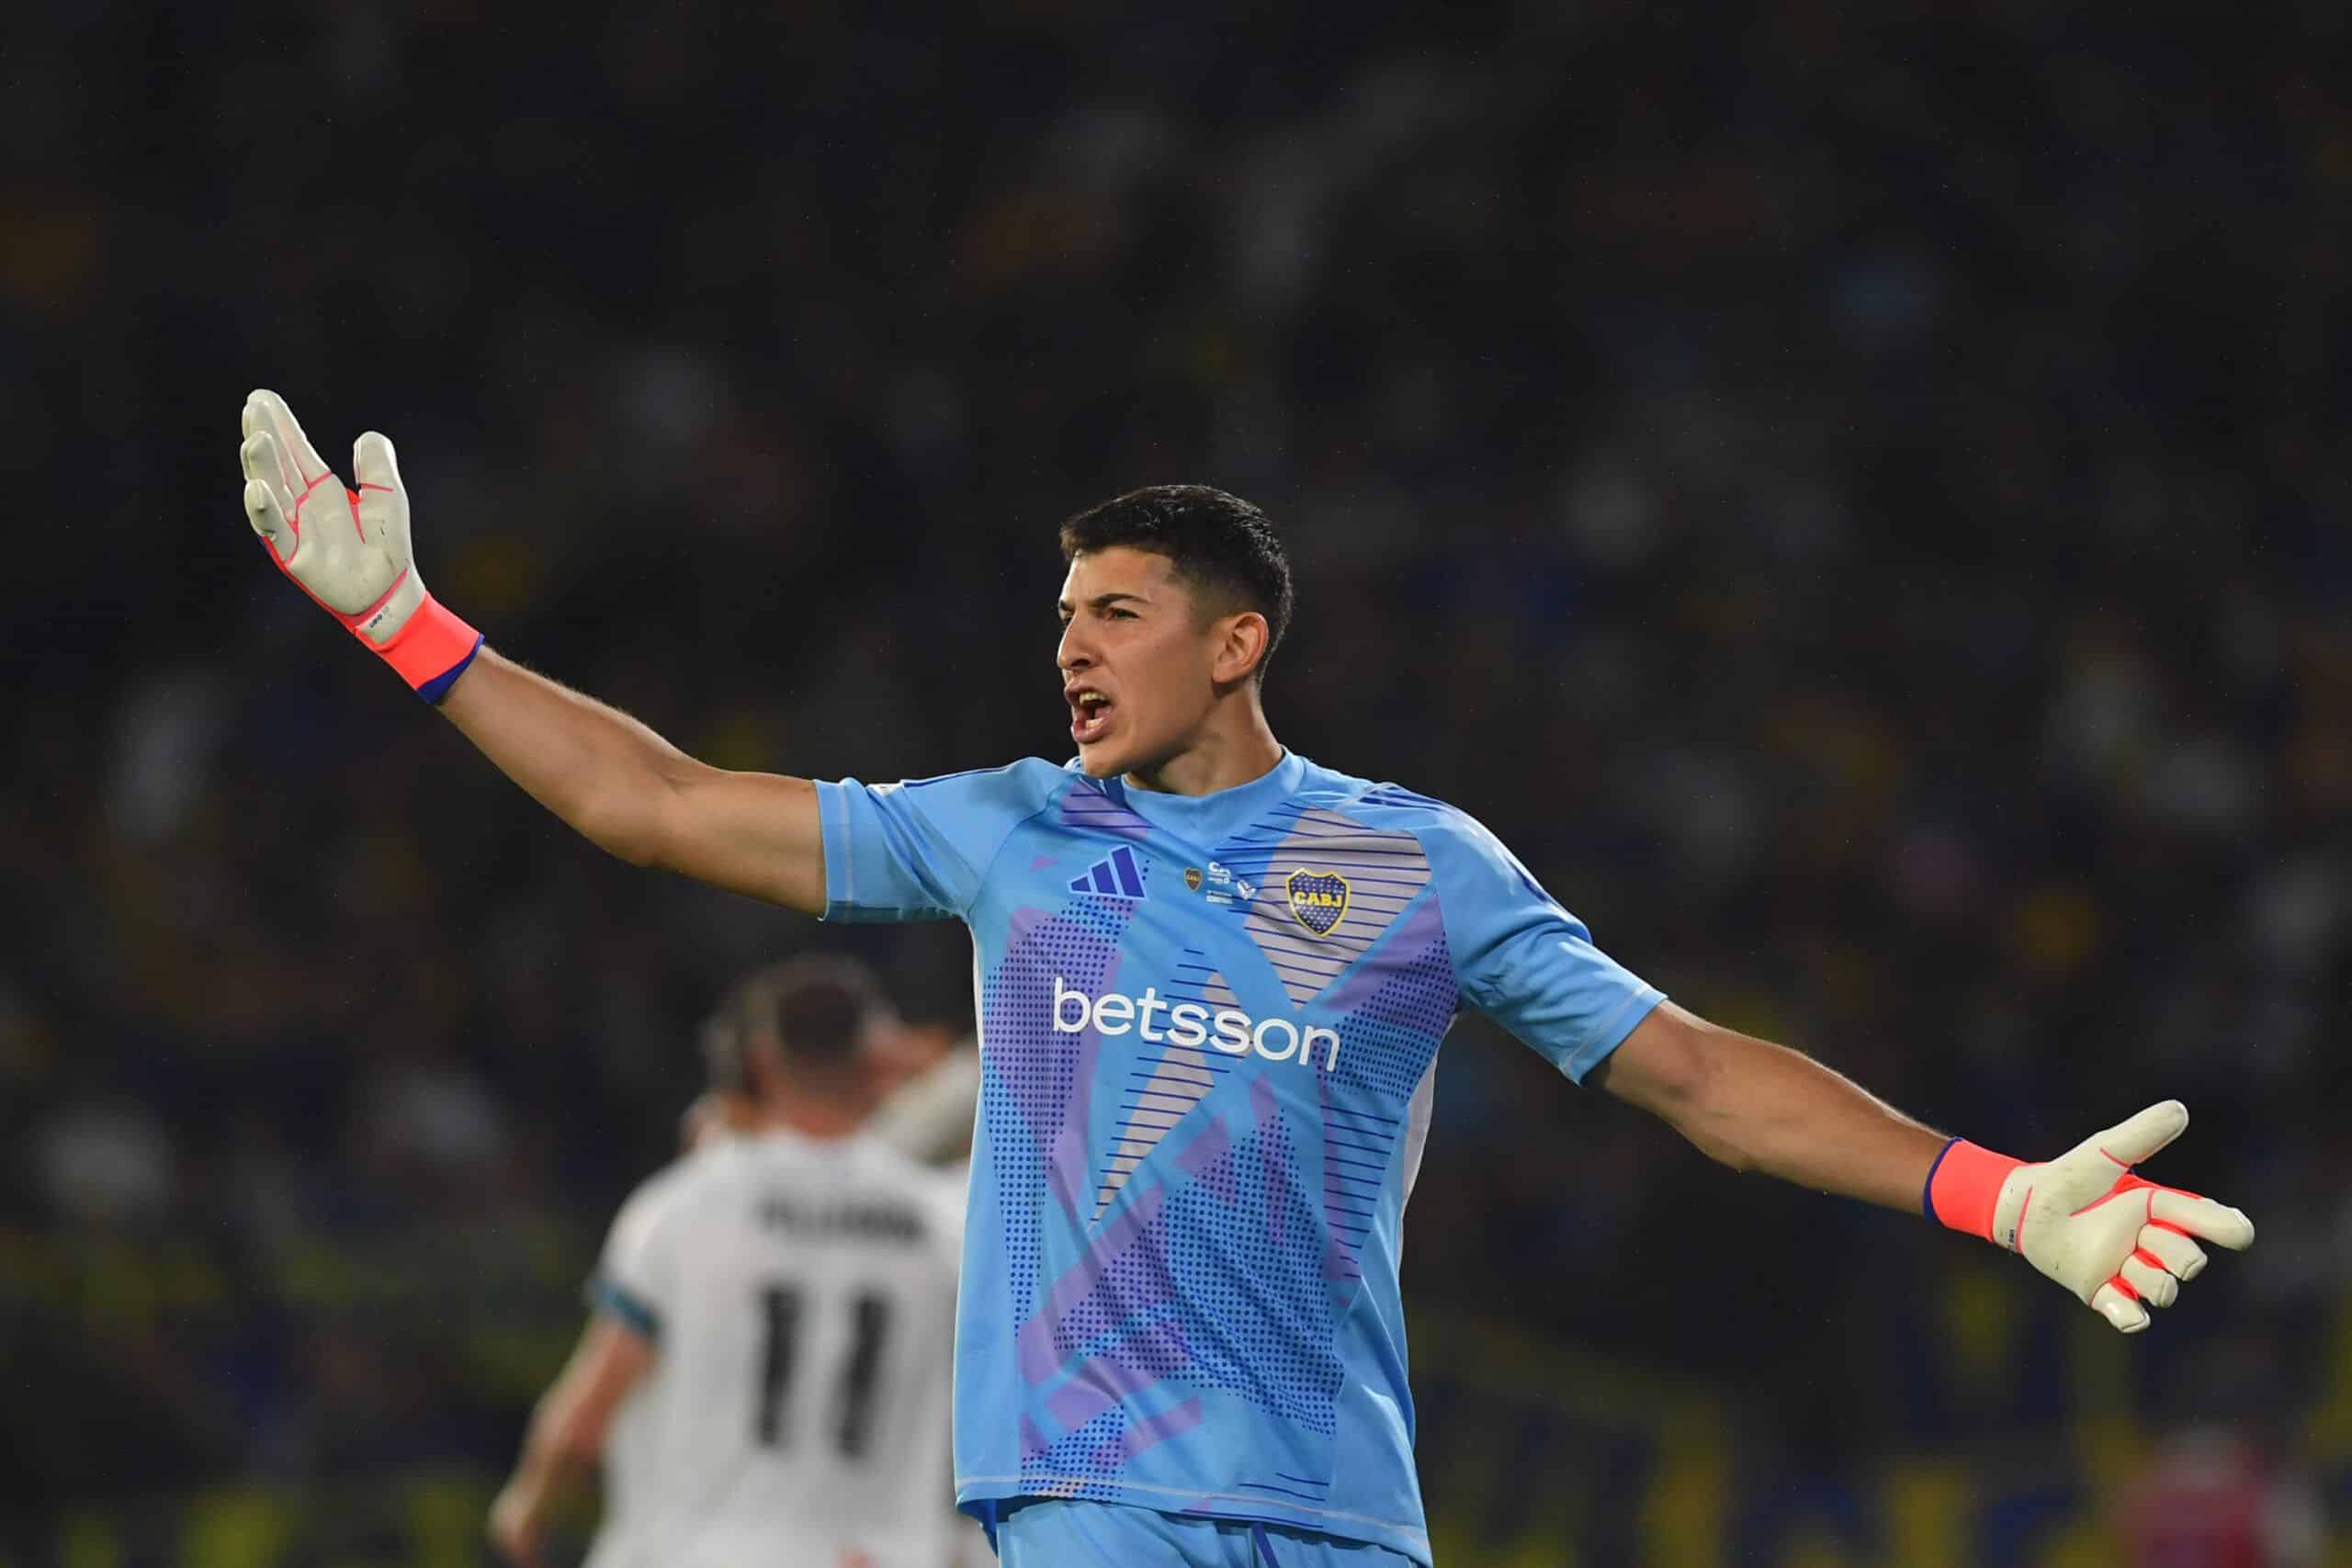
[1100, 601]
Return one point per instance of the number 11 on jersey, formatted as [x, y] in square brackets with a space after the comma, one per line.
[856, 1384]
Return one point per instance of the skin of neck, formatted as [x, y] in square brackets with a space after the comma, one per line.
[1232, 745]
[813, 1105]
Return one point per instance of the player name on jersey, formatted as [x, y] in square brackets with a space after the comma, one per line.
[862, 1221]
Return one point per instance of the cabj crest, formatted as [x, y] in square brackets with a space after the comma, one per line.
[1319, 899]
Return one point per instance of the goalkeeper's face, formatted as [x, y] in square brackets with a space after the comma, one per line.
[1141, 660]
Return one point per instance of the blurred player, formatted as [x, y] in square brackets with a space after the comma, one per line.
[765, 1373]
[935, 1084]
[929, 1116]
[1212, 979]
[729, 1102]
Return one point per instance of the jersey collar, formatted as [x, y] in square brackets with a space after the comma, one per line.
[1210, 818]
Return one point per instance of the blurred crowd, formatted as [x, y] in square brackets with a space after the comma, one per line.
[1861, 504]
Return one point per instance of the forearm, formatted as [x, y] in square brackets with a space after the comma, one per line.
[1792, 1118]
[638, 796]
[552, 1466]
[520, 1514]
[550, 1470]
[565, 1440]
[1757, 1106]
[532, 1494]
[598, 769]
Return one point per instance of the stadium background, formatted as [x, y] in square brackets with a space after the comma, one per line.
[1860, 502]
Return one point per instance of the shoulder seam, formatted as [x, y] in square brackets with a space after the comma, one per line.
[961, 773]
[1403, 799]
[1423, 810]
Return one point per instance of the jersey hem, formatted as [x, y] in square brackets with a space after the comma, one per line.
[608, 1297]
[834, 833]
[976, 1493]
[1621, 1023]
[837, 830]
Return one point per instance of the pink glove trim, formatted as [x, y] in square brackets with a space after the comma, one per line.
[433, 643]
[1966, 1185]
[429, 651]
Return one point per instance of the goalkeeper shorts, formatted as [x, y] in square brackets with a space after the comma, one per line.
[1070, 1533]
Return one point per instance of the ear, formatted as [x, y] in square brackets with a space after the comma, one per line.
[763, 1059]
[1241, 645]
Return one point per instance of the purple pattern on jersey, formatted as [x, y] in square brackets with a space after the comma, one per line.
[1145, 1324]
[1036, 1084]
[1135, 1311]
[1086, 807]
[1357, 1148]
[1102, 1382]
[1181, 1290]
[1201, 1158]
[1313, 851]
[1040, 1347]
[1269, 1113]
[1165, 1093]
[1155, 1430]
[1161, 1098]
[1395, 1012]
[1142, 1308]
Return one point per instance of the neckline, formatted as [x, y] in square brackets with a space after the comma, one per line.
[1219, 811]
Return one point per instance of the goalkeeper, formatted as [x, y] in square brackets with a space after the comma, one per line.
[1212, 977]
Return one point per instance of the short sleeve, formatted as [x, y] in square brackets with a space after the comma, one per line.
[636, 1280]
[917, 850]
[1523, 960]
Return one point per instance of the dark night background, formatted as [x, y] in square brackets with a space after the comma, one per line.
[1859, 500]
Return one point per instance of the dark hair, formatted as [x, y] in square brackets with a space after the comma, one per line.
[726, 1056]
[816, 1008]
[1214, 540]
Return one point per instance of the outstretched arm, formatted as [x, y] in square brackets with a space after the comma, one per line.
[639, 797]
[619, 783]
[1757, 1106]
[2120, 1242]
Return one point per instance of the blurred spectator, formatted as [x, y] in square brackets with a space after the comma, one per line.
[105, 1162]
[1860, 503]
[2209, 1498]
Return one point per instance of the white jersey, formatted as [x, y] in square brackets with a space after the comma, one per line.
[930, 1116]
[801, 1297]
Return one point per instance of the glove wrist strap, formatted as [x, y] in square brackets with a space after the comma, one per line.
[431, 651]
[1965, 1187]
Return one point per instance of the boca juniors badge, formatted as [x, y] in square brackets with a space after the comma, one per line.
[1192, 878]
[1319, 899]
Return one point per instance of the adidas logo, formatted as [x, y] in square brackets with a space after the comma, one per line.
[1116, 874]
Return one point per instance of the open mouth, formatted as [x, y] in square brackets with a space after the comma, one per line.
[1090, 714]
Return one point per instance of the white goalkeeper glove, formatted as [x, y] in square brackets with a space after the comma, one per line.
[348, 549]
[2122, 1244]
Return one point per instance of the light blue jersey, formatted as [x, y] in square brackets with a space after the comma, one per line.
[1207, 1033]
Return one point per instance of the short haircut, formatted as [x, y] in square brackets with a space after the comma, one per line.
[1214, 541]
[816, 1008]
[726, 1055]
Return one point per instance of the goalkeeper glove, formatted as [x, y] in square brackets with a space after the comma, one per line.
[348, 549]
[2122, 1244]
